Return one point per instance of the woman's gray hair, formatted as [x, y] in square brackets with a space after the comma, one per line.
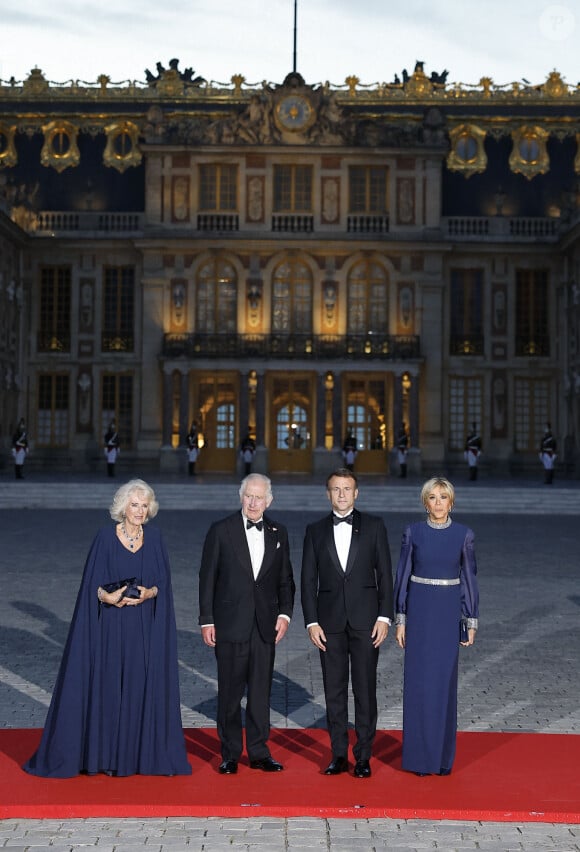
[258, 477]
[438, 482]
[123, 495]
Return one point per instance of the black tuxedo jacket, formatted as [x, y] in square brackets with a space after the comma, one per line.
[358, 596]
[229, 597]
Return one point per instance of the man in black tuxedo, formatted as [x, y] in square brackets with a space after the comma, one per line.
[246, 597]
[347, 598]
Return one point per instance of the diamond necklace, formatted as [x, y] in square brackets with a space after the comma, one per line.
[131, 539]
[442, 526]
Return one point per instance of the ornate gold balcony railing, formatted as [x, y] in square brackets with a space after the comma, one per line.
[355, 347]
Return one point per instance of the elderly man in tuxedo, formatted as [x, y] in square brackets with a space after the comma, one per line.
[347, 598]
[246, 597]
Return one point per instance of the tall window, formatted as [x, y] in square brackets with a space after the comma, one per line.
[292, 427]
[53, 411]
[466, 312]
[217, 298]
[292, 189]
[218, 187]
[365, 411]
[532, 313]
[292, 298]
[119, 309]
[117, 405]
[367, 189]
[55, 310]
[216, 402]
[367, 299]
[465, 408]
[225, 426]
[532, 397]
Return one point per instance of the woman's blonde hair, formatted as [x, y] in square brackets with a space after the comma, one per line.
[123, 495]
[438, 482]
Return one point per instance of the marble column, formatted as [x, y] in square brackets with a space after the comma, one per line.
[414, 411]
[397, 404]
[260, 411]
[167, 409]
[321, 410]
[337, 412]
[244, 406]
[184, 409]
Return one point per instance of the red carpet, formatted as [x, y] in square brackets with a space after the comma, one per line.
[497, 777]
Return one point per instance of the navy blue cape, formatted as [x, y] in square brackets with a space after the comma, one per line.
[115, 707]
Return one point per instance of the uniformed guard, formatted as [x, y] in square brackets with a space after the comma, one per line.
[247, 450]
[192, 448]
[112, 448]
[472, 451]
[548, 454]
[349, 451]
[402, 450]
[19, 448]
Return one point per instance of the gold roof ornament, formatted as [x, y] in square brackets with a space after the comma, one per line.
[36, 83]
[554, 87]
[418, 85]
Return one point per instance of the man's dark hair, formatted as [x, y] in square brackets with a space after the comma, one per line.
[345, 473]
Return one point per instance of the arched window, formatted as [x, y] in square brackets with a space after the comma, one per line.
[367, 299]
[217, 297]
[292, 298]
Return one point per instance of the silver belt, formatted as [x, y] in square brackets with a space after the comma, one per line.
[429, 582]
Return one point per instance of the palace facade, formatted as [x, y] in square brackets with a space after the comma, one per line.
[300, 262]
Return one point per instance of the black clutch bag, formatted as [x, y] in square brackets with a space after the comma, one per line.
[463, 633]
[130, 592]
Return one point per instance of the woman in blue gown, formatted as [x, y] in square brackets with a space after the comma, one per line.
[436, 610]
[115, 708]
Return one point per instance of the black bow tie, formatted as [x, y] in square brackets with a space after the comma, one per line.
[347, 518]
[258, 524]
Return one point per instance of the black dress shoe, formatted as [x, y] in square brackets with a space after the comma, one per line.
[266, 764]
[362, 769]
[336, 766]
[228, 767]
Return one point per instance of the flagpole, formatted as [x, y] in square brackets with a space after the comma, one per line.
[295, 17]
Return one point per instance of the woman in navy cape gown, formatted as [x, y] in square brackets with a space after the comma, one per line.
[115, 707]
[436, 597]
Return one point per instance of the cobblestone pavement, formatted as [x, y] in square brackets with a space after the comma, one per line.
[520, 676]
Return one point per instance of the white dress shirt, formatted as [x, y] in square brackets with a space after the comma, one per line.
[342, 539]
[255, 539]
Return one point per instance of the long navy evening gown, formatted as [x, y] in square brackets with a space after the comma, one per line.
[115, 706]
[433, 613]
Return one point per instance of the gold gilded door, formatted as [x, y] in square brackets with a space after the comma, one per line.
[215, 408]
[289, 432]
[368, 400]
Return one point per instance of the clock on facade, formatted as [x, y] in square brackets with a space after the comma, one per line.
[294, 112]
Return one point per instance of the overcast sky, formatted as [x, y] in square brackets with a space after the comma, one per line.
[507, 40]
